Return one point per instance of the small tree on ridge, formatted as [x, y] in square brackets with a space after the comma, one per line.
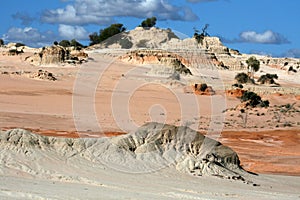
[149, 22]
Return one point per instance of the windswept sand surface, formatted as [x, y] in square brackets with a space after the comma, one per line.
[123, 98]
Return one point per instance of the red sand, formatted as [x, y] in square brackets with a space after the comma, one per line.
[45, 107]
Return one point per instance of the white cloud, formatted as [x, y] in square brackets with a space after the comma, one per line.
[268, 37]
[72, 32]
[83, 12]
[73, 16]
[29, 36]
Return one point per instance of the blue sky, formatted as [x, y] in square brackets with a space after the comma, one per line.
[251, 26]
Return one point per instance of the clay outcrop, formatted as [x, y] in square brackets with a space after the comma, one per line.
[158, 57]
[43, 75]
[235, 92]
[57, 55]
[151, 147]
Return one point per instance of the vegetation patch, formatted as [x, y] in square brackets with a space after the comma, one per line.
[254, 100]
[243, 78]
[268, 79]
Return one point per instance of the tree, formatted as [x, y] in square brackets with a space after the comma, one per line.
[106, 33]
[94, 38]
[76, 44]
[1, 42]
[149, 22]
[65, 43]
[253, 65]
[55, 43]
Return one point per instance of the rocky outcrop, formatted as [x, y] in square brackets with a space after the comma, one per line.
[56, 55]
[13, 49]
[140, 37]
[235, 93]
[280, 63]
[158, 57]
[43, 75]
[222, 54]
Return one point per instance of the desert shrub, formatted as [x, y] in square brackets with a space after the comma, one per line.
[254, 100]
[203, 87]
[291, 69]
[265, 104]
[268, 78]
[238, 85]
[1, 42]
[18, 44]
[242, 78]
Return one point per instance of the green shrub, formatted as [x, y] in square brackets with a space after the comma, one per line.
[254, 100]
[242, 78]
[265, 104]
[203, 87]
[268, 79]
[238, 85]
[18, 44]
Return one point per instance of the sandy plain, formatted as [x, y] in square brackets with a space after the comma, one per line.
[106, 97]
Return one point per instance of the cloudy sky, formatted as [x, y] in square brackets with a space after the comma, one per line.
[251, 26]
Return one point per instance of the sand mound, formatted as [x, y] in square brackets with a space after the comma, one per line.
[152, 147]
